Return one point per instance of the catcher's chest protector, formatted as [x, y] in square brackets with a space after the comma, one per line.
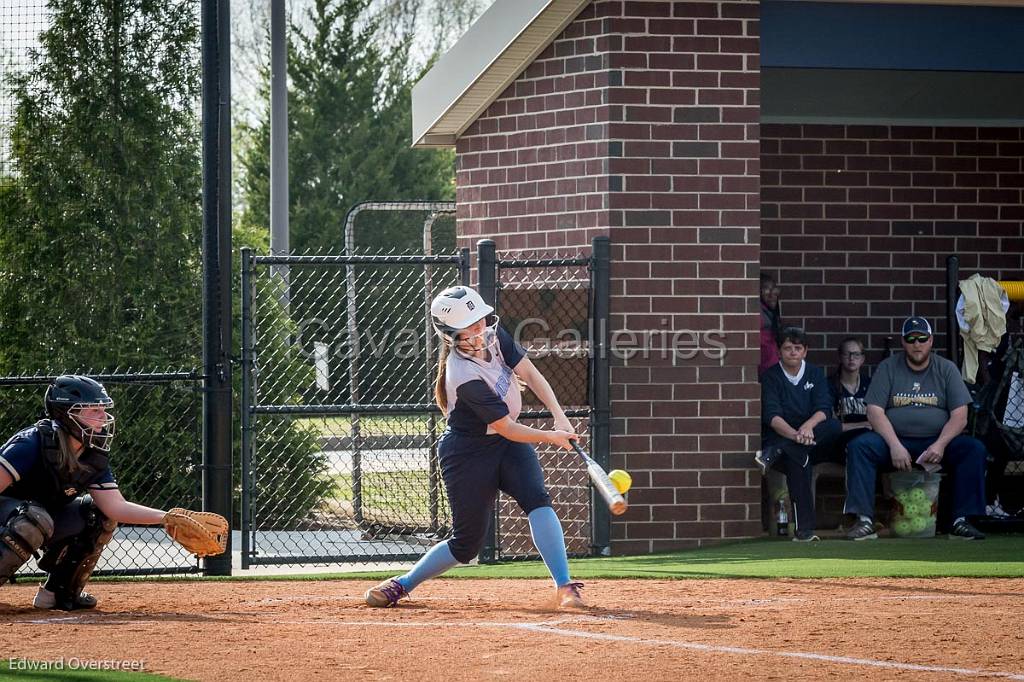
[45, 483]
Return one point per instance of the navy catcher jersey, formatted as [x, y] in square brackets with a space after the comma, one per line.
[483, 391]
[36, 478]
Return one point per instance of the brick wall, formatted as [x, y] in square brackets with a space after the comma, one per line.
[858, 222]
[531, 171]
[640, 122]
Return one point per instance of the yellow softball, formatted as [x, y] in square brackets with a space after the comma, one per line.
[621, 479]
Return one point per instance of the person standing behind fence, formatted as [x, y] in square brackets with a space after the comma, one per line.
[917, 405]
[484, 449]
[58, 494]
[771, 324]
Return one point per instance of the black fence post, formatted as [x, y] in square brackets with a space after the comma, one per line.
[952, 326]
[217, 258]
[248, 264]
[600, 383]
[464, 266]
[487, 278]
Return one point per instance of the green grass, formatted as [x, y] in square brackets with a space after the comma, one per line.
[999, 556]
[7, 671]
[389, 497]
[387, 489]
[375, 425]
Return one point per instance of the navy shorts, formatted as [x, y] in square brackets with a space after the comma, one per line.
[474, 469]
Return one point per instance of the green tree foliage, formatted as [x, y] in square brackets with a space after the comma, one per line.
[99, 244]
[349, 133]
[101, 261]
[291, 477]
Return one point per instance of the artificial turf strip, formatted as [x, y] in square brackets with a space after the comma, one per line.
[995, 557]
[998, 556]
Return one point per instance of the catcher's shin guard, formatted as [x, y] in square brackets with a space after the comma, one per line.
[26, 529]
[70, 564]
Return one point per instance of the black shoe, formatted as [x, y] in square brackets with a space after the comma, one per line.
[765, 457]
[862, 530]
[805, 536]
[963, 530]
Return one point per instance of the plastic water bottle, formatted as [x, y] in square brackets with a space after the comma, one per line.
[781, 518]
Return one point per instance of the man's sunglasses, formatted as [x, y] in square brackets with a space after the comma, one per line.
[916, 338]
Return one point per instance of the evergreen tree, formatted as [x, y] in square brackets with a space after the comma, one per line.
[101, 259]
[100, 241]
[349, 134]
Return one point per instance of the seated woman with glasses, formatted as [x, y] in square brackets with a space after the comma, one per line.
[849, 385]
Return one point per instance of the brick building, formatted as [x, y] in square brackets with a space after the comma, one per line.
[644, 121]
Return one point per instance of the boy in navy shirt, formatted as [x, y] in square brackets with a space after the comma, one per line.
[796, 411]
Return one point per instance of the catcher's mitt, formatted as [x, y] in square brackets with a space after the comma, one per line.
[202, 533]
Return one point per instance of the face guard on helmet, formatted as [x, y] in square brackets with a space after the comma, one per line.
[82, 407]
[457, 308]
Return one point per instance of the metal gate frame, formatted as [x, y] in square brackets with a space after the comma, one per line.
[489, 265]
[249, 407]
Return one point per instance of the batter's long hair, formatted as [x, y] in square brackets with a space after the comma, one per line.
[440, 390]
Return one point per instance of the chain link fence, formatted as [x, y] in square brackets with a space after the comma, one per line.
[999, 422]
[543, 298]
[339, 426]
[339, 422]
[156, 458]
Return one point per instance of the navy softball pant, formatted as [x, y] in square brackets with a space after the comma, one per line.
[474, 469]
[68, 520]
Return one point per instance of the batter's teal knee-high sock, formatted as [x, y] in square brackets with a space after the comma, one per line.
[549, 541]
[435, 562]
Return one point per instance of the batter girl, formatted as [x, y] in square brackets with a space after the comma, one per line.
[484, 449]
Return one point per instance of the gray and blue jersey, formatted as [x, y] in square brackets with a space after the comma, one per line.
[483, 391]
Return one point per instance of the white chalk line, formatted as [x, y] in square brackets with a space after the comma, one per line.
[744, 651]
[551, 627]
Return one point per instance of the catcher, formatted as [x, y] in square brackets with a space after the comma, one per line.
[58, 495]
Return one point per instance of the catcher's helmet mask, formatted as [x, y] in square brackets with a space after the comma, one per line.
[458, 308]
[67, 401]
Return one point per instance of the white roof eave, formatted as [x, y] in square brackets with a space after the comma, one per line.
[485, 60]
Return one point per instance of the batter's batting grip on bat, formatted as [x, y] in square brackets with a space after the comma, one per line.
[604, 486]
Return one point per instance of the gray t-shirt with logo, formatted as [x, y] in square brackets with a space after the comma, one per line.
[917, 403]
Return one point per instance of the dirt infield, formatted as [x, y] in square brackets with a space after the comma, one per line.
[502, 629]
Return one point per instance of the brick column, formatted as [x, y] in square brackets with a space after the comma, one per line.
[685, 242]
[641, 122]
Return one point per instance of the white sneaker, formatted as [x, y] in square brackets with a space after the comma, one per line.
[48, 600]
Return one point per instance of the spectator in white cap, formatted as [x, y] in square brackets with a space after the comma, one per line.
[917, 406]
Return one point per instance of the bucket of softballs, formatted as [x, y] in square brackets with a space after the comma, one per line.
[915, 496]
